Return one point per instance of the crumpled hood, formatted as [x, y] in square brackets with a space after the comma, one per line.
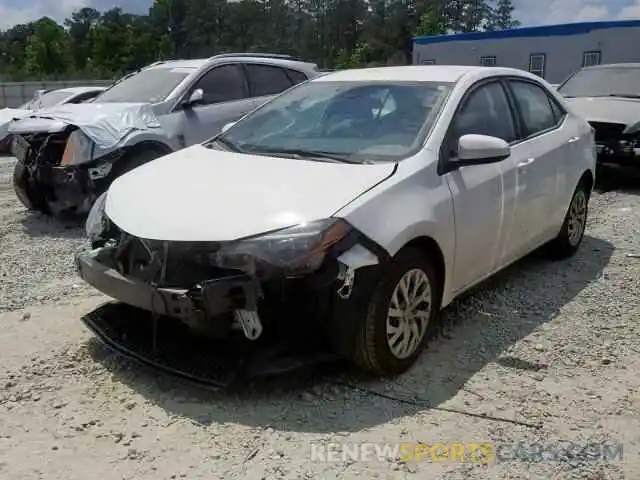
[201, 194]
[105, 123]
[607, 109]
[7, 115]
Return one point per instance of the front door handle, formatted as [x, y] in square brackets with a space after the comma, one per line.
[573, 139]
[526, 162]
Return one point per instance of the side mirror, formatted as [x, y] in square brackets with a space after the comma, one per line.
[227, 127]
[481, 149]
[197, 96]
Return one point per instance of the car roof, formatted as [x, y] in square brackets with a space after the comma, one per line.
[201, 62]
[416, 73]
[77, 90]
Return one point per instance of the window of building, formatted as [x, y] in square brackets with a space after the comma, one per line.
[488, 61]
[591, 57]
[428, 61]
[537, 64]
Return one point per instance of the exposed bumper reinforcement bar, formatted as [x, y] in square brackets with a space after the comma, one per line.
[216, 296]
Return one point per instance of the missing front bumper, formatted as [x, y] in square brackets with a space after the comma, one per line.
[195, 306]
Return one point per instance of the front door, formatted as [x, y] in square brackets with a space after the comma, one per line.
[483, 195]
[226, 99]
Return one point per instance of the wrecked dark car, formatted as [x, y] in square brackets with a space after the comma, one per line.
[608, 97]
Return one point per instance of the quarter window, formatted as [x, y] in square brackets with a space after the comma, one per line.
[267, 80]
[222, 84]
[485, 112]
[535, 108]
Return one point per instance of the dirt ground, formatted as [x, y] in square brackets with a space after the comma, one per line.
[547, 353]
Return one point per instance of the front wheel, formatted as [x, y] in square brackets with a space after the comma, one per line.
[571, 234]
[400, 316]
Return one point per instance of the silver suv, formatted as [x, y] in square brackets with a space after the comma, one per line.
[67, 155]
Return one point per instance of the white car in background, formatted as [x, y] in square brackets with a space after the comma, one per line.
[357, 205]
[43, 99]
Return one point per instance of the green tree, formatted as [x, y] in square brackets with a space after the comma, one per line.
[500, 17]
[47, 52]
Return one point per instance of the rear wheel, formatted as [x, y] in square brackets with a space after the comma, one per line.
[400, 316]
[571, 234]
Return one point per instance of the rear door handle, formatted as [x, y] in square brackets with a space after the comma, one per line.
[526, 162]
[573, 139]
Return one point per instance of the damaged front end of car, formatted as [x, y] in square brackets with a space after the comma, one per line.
[59, 172]
[617, 143]
[288, 281]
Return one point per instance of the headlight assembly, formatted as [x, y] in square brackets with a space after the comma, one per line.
[96, 222]
[297, 250]
[79, 149]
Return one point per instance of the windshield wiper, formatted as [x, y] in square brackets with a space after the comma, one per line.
[227, 143]
[310, 154]
[624, 95]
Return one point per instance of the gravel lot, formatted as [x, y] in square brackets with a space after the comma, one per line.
[553, 345]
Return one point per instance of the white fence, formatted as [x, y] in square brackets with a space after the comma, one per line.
[14, 94]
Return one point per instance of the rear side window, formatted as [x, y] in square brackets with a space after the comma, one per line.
[535, 107]
[267, 80]
[222, 84]
[296, 76]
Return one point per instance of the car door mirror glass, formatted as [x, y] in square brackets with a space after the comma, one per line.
[196, 97]
[479, 149]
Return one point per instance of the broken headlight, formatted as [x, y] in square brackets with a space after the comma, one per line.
[297, 250]
[97, 223]
[79, 149]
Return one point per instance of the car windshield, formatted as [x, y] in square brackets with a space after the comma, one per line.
[342, 121]
[46, 100]
[147, 86]
[603, 82]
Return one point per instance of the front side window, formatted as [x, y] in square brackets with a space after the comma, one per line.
[222, 84]
[603, 82]
[535, 107]
[360, 121]
[485, 112]
[147, 86]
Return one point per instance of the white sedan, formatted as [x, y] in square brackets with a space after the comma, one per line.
[355, 205]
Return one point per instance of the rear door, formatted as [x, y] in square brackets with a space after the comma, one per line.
[267, 81]
[225, 100]
[541, 173]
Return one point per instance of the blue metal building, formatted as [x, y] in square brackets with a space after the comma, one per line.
[551, 51]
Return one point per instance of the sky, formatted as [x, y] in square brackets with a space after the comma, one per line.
[529, 12]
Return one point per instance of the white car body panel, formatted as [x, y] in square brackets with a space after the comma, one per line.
[482, 217]
[212, 195]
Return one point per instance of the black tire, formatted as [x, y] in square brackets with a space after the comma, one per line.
[134, 160]
[371, 350]
[567, 243]
[32, 200]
